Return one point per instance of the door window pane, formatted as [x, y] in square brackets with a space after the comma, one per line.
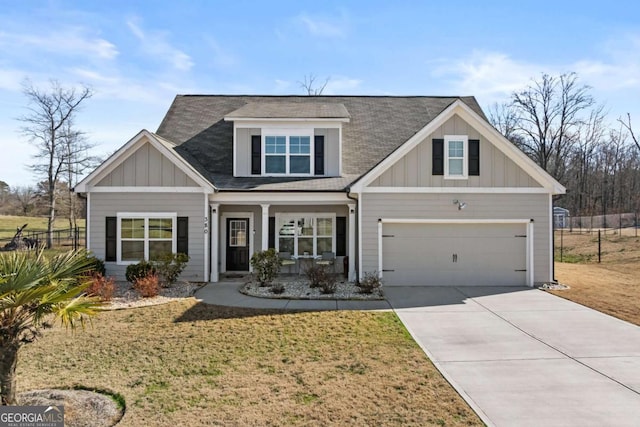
[237, 233]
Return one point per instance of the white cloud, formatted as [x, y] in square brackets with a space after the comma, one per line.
[11, 79]
[490, 75]
[324, 27]
[71, 41]
[155, 44]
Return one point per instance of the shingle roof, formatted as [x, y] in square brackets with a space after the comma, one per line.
[290, 110]
[378, 125]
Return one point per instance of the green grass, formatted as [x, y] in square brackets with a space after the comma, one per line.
[9, 224]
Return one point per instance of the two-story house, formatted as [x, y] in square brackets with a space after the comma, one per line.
[422, 190]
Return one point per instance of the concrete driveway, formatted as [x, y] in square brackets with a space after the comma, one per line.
[523, 357]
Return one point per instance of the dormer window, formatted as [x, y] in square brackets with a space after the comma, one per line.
[287, 154]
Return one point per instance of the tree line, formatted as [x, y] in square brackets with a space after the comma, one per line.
[557, 122]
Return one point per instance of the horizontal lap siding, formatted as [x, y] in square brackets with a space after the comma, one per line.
[184, 204]
[440, 206]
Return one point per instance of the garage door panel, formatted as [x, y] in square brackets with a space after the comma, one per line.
[454, 254]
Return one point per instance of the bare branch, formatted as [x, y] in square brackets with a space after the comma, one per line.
[309, 85]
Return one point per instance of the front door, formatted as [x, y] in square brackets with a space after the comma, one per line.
[237, 244]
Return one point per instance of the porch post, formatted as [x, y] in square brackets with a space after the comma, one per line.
[215, 242]
[265, 227]
[352, 242]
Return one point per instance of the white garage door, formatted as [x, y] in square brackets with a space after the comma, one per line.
[454, 254]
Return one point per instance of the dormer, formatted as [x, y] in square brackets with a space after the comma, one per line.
[282, 139]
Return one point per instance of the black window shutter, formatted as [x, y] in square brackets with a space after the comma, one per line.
[318, 148]
[111, 235]
[256, 157]
[474, 157]
[341, 236]
[183, 235]
[437, 157]
[272, 231]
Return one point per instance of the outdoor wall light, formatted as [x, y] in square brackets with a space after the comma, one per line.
[461, 204]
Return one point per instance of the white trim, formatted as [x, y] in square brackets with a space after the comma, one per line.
[265, 226]
[339, 150]
[87, 224]
[146, 216]
[465, 156]
[453, 221]
[291, 197]
[215, 242]
[315, 216]
[551, 260]
[530, 254]
[235, 151]
[223, 233]
[485, 129]
[380, 249]
[529, 248]
[129, 148]
[207, 237]
[360, 209]
[352, 241]
[457, 190]
[249, 121]
[133, 189]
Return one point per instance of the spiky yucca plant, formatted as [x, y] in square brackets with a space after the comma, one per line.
[33, 289]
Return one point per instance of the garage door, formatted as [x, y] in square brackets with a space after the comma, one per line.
[454, 254]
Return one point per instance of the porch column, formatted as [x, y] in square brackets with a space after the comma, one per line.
[265, 227]
[352, 242]
[215, 242]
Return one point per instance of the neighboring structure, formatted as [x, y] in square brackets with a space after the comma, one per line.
[560, 217]
[422, 190]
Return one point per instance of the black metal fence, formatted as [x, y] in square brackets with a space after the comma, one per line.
[72, 238]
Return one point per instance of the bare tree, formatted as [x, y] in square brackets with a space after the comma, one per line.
[549, 111]
[312, 87]
[47, 126]
[627, 125]
[25, 198]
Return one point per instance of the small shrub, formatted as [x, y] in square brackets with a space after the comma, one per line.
[369, 283]
[139, 270]
[169, 266]
[277, 288]
[320, 277]
[329, 285]
[266, 266]
[97, 265]
[103, 287]
[148, 286]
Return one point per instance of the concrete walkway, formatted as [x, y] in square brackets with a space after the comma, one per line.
[523, 357]
[518, 356]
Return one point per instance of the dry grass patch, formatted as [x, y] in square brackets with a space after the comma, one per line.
[188, 363]
[612, 286]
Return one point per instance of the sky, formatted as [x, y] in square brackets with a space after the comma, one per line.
[138, 55]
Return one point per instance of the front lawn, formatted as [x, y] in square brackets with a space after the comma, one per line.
[189, 363]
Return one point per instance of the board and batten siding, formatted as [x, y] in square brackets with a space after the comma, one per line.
[415, 168]
[331, 150]
[147, 167]
[440, 206]
[183, 204]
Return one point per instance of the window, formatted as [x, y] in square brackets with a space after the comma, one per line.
[287, 154]
[305, 234]
[145, 237]
[455, 151]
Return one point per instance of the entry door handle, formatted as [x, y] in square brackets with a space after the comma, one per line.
[455, 257]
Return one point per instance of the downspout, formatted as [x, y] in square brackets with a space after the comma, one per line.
[357, 231]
